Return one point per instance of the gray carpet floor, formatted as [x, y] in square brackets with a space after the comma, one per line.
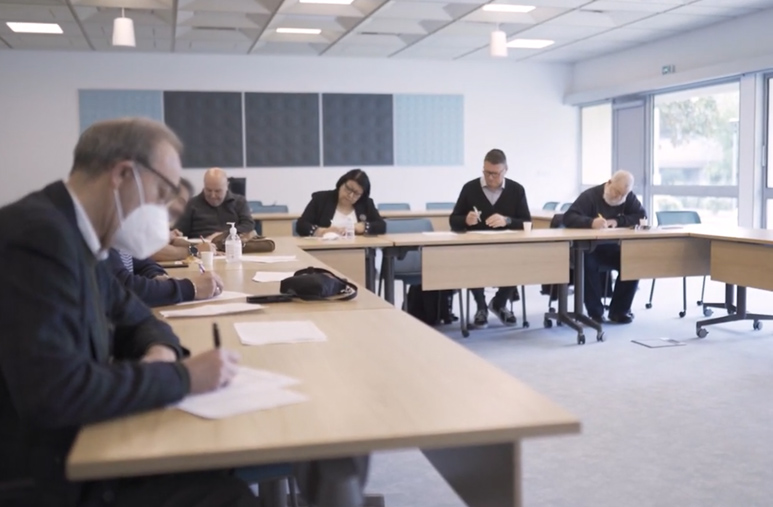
[688, 426]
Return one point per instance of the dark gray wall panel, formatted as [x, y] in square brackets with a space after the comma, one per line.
[357, 129]
[282, 129]
[210, 126]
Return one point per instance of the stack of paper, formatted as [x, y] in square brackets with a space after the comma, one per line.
[249, 391]
[221, 297]
[269, 259]
[264, 333]
[269, 276]
[210, 310]
[498, 231]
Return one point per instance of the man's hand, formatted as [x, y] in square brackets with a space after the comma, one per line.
[206, 247]
[175, 234]
[599, 223]
[208, 285]
[211, 236]
[472, 218]
[211, 370]
[496, 221]
[611, 223]
[159, 353]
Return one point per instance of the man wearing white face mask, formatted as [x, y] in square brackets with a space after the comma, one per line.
[76, 347]
[612, 204]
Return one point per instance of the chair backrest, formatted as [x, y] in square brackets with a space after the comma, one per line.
[254, 204]
[411, 264]
[271, 208]
[440, 205]
[565, 206]
[295, 233]
[550, 205]
[394, 206]
[238, 186]
[677, 217]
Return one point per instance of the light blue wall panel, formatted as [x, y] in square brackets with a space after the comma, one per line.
[98, 105]
[429, 129]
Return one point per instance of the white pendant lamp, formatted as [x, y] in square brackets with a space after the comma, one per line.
[123, 31]
[498, 44]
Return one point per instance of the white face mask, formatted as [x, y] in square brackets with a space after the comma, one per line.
[145, 230]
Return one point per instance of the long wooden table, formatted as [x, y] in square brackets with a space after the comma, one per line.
[376, 384]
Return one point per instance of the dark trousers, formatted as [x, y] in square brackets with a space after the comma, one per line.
[501, 298]
[606, 257]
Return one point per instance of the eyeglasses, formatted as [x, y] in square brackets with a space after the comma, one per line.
[351, 191]
[174, 189]
[492, 174]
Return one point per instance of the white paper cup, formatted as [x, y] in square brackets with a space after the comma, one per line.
[207, 259]
[644, 222]
[527, 226]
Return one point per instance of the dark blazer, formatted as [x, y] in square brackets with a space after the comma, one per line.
[71, 335]
[322, 208]
[590, 204]
[153, 292]
[511, 204]
[201, 219]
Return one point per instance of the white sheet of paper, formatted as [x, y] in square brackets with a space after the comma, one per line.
[249, 391]
[224, 296]
[210, 310]
[291, 331]
[269, 276]
[269, 259]
[439, 233]
[503, 231]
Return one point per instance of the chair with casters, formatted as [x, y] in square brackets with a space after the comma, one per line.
[274, 483]
[683, 217]
[238, 186]
[565, 207]
[393, 206]
[408, 268]
[440, 206]
[550, 205]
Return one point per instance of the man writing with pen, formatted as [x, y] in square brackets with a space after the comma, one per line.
[492, 202]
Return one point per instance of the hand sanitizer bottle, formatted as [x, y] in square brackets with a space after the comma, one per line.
[233, 245]
[349, 229]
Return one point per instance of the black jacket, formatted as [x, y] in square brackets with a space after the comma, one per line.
[590, 204]
[153, 292]
[322, 208]
[511, 204]
[201, 219]
[71, 335]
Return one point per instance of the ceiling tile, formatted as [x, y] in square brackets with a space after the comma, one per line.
[669, 21]
[414, 10]
[380, 25]
[34, 14]
[133, 4]
[536, 16]
[561, 33]
[236, 6]
[286, 48]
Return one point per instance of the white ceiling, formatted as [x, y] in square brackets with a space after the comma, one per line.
[437, 29]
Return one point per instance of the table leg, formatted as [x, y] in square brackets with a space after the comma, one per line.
[482, 476]
[389, 274]
[370, 269]
[739, 314]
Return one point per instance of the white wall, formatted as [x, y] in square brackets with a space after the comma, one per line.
[517, 108]
[733, 47]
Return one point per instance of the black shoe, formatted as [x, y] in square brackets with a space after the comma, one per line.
[504, 314]
[599, 318]
[516, 296]
[481, 318]
[625, 318]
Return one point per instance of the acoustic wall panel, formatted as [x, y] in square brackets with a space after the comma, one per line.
[429, 130]
[99, 105]
[357, 130]
[282, 129]
[209, 125]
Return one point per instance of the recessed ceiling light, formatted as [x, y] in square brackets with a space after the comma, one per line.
[301, 31]
[508, 8]
[34, 27]
[530, 43]
[331, 2]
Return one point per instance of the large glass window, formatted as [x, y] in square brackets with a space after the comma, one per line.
[769, 160]
[695, 152]
[596, 133]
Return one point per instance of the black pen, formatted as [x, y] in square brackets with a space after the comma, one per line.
[216, 335]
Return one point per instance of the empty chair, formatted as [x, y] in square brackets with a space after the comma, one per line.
[271, 208]
[254, 204]
[394, 206]
[683, 217]
[238, 186]
[550, 205]
[565, 206]
[440, 205]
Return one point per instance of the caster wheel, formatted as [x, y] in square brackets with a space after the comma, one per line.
[559, 324]
[757, 325]
[547, 323]
[526, 324]
[731, 311]
[466, 333]
[648, 306]
[600, 336]
[681, 315]
[707, 312]
[702, 333]
[699, 303]
[580, 339]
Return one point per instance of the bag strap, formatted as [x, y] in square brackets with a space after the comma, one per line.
[339, 297]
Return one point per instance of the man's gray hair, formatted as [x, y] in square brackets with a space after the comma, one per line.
[109, 142]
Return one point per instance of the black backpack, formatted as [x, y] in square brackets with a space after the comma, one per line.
[433, 307]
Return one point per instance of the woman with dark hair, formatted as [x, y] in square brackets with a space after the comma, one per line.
[332, 210]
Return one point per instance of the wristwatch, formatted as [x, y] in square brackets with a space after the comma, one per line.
[508, 220]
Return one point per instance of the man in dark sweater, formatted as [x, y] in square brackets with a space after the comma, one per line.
[488, 203]
[148, 280]
[612, 204]
[208, 213]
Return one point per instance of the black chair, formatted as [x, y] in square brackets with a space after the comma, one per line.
[238, 186]
[683, 218]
